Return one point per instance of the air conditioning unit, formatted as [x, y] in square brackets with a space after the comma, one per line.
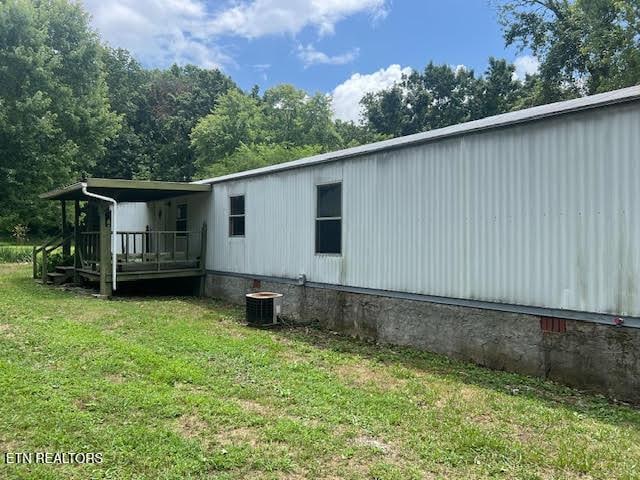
[263, 308]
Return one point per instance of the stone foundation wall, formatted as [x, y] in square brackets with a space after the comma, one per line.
[587, 355]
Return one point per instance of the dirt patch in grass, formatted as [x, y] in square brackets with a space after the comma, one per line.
[115, 378]
[462, 395]
[236, 436]
[362, 374]
[85, 403]
[7, 330]
[255, 407]
[374, 443]
[191, 426]
[190, 388]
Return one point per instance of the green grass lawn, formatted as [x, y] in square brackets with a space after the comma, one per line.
[172, 388]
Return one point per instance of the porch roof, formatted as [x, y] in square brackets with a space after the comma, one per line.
[126, 190]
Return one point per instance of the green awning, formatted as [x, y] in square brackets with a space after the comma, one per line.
[126, 190]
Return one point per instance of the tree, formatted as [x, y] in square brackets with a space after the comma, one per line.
[54, 111]
[498, 90]
[127, 153]
[175, 100]
[246, 130]
[247, 157]
[352, 134]
[236, 121]
[439, 96]
[584, 46]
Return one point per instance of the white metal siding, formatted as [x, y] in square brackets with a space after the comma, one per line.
[133, 217]
[539, 214]
[199, 211]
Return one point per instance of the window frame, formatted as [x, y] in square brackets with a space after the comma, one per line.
[242, 215]
[184, 219]
[320, 219]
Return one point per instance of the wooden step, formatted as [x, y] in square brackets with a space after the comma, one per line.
[57, 278]
[65, 269]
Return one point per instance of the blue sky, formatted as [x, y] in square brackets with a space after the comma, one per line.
[340, 47]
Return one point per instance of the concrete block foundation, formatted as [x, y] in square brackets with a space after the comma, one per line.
[591, 356]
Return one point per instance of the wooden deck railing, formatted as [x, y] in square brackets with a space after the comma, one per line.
[147, 250]
[41, 268]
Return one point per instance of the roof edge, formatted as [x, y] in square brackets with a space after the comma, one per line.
[115, 183]
[488, 123]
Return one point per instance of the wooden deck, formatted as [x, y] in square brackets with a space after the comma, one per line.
[88, 245]
[143, 255]
[140, 255]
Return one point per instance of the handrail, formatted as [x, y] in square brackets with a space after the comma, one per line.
[49, 246]
[48, 242]
[138, 232]
[176, 246]
[61, 241]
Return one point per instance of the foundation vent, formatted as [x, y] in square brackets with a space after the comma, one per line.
[553, 325]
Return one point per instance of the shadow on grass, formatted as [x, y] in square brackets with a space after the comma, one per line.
[552, 394]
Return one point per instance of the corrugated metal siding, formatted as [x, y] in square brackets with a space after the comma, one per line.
[133, 217]
[540, 214]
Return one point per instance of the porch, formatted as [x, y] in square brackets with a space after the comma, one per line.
[95, 249]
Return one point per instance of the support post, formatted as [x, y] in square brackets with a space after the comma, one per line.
[45, 261]
[66, 245]
[203, 259]
[76, 241]
[105, 251]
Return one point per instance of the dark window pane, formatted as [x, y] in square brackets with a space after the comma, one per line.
[328, 236]
[181, 225]
[237, 205]
[329, 200]
[182, 212]
[236, 226]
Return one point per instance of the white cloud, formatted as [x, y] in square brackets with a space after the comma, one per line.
[256, 18]
[346, 96]
[525, 65]
[160, 32]
[310, 56]
[460, 68]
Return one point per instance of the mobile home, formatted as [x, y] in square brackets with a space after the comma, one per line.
[509, 241]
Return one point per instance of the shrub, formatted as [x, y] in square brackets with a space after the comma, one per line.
[19, 233]
[15, 254]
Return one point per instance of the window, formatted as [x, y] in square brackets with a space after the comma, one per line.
[329, 218]
[181, 218]
[236, 216]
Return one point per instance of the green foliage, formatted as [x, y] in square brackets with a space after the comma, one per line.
[585, 46]
[249, 131]
[237, 120]
[15, 253]
[55, 259]
[19, 233]
[175, 100]
[442, 95]
[126, 154]
[54, 111]
[71, 107]
[353, 135]
[246, 157]
[159, 109]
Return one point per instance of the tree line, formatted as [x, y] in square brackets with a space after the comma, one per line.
[72, 106]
